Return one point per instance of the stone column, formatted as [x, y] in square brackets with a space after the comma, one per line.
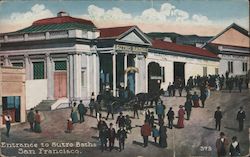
[140, 77]
[97, 74]
[125, 67]
[27, 67]
[6, 61]
[49, 70]
[88, 75]
[77, 75]
[68, 76]
[114, 73]
[71, 76]
[95, 80]
[143, 73]
[137, 85]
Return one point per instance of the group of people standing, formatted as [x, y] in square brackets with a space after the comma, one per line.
[109, 134]
[34, 120]
[222, 146]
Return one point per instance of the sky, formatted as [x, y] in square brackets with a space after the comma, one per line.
[201, 17]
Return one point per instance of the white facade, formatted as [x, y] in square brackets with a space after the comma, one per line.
[193, 67]
[83, 62]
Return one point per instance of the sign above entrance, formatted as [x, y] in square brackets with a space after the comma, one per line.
[126, 48]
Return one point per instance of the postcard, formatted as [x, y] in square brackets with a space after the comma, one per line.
[119, 78]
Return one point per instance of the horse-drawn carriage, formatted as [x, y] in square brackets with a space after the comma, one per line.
[126, 103]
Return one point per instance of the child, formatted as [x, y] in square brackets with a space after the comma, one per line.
[128, 123]
[69, 126]
[155, 133]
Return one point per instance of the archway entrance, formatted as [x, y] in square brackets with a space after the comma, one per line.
[154, 77]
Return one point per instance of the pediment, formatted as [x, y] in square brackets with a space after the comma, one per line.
[135, 36]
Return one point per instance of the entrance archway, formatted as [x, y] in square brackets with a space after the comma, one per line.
[154, 77]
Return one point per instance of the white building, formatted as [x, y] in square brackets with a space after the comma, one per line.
[68, 58]
[232, 46]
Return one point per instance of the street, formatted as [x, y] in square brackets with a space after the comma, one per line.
[196, 139]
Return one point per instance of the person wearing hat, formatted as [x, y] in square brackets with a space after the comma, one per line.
[31, 118]
[221, 144]
[234, 149]
[120, 120]
[145, 132]
[37, 126]
[241, 116]
[159, 109]
[195, 99]
[121, 136]
[103, 135]
[170, 116]
[81, 110]
[74, 115]
[8, 120]
[181, 113]
[188, 107]
[69, 126]
[218, 117]
[111, 136]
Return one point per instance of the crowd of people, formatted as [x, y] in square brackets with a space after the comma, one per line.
[155, 127]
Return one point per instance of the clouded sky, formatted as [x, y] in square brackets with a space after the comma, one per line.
[203, 17]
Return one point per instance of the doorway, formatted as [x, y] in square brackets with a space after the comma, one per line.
[179, 71]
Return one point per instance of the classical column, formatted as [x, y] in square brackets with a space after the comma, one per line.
[125, 67]
[68, 76]
[137, 75]
[71, 76]
[79, 75]
[114, 73]
[50, 80]
[95, 74]
[88, 75]
[6, 61]
[27, 67]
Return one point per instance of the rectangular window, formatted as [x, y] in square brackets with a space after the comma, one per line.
[230, 67]
[204, 71]
[60, 65]
[38, 70]
[17, 64]
[244, 66]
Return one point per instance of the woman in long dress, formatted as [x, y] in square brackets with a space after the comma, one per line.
[37, 126]
[74, 115]
[181, 113]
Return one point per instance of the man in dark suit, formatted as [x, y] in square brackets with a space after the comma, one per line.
[81, 110]
[218, 117]
[241, 116]
[111, 136]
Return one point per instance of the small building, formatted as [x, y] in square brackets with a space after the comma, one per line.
[12, 93]
[232, 46]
